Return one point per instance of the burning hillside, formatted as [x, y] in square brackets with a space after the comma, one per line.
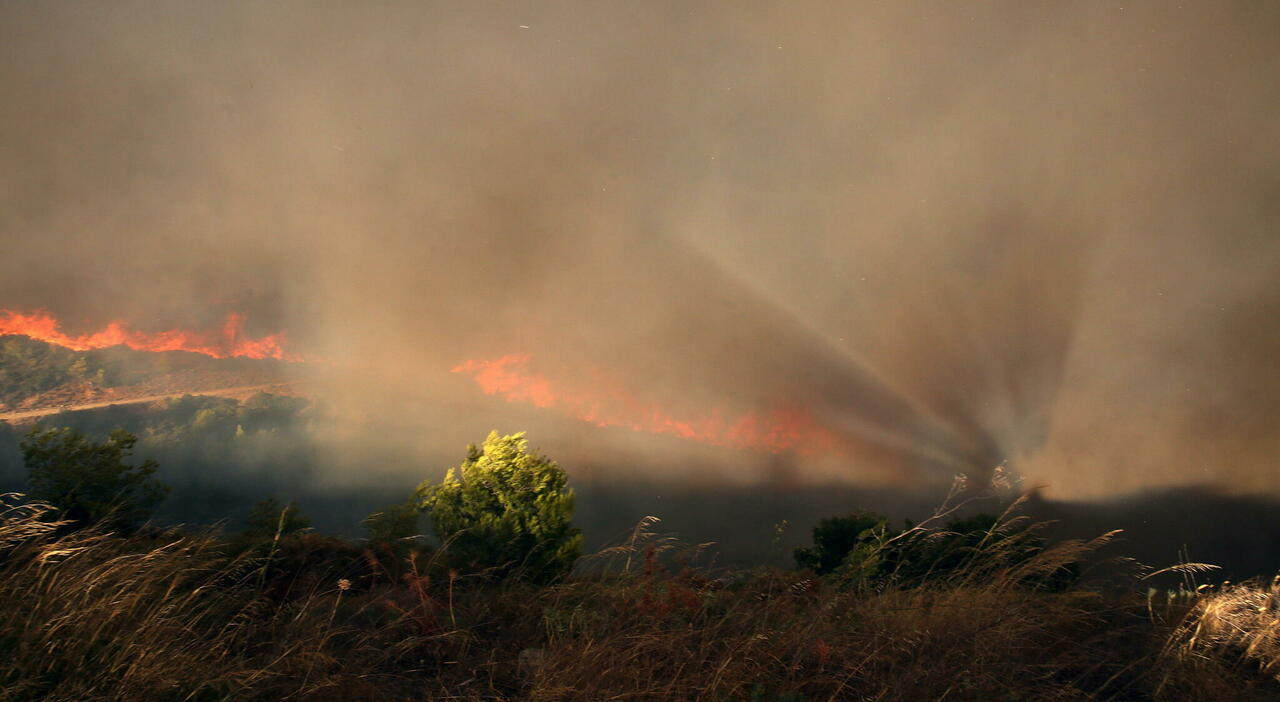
[38, 375]
[227, 341]
[606, 402]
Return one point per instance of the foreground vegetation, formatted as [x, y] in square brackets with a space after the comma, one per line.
[99, 606]
[170, 615]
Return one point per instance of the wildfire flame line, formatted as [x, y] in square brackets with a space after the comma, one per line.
[608, 404]
[229, 341]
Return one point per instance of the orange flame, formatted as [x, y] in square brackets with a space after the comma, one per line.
[226, 342]
[607, 404]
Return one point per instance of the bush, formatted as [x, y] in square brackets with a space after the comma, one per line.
[269, 519]
[505, 510]
[861, 551]
[393, 524]
[835, 538]
[90, 482]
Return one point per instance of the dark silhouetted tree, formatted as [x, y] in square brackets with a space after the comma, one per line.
[835, 538]
[393, 523]
[89, 482]
[269, 518]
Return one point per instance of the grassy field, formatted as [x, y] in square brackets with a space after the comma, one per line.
[171, 615]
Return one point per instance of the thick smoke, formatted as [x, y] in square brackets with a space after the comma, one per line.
[961, 233]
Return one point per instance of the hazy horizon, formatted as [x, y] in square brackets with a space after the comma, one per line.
[947, 235]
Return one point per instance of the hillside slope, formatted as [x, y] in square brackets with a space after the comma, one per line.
[36, 376]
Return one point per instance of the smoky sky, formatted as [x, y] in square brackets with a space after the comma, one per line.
[961, 233]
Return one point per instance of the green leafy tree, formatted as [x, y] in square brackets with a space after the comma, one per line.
[505, 509]
[90, 482]
[269, 517]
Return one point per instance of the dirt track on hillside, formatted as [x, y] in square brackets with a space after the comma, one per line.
[239, 392]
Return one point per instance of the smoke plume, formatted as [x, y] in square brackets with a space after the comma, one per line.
[956, 234]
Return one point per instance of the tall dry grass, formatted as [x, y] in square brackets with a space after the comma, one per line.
[167, 615]
[676, 634]
[1234, 626]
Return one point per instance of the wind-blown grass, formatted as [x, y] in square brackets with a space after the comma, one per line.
[172, 615]
[1231, 625]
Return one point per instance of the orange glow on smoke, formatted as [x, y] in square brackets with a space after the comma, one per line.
[227, 342]
[607, 404]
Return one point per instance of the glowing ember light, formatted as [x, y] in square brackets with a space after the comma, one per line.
[227, 342]
[609, 405]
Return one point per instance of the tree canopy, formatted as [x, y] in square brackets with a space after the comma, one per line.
[505, 509]
[90, 482]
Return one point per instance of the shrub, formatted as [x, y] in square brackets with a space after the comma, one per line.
[90, 482]
[835, 538]
[394, 523]
[269, 518]
[860, 551]
[506, 510]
